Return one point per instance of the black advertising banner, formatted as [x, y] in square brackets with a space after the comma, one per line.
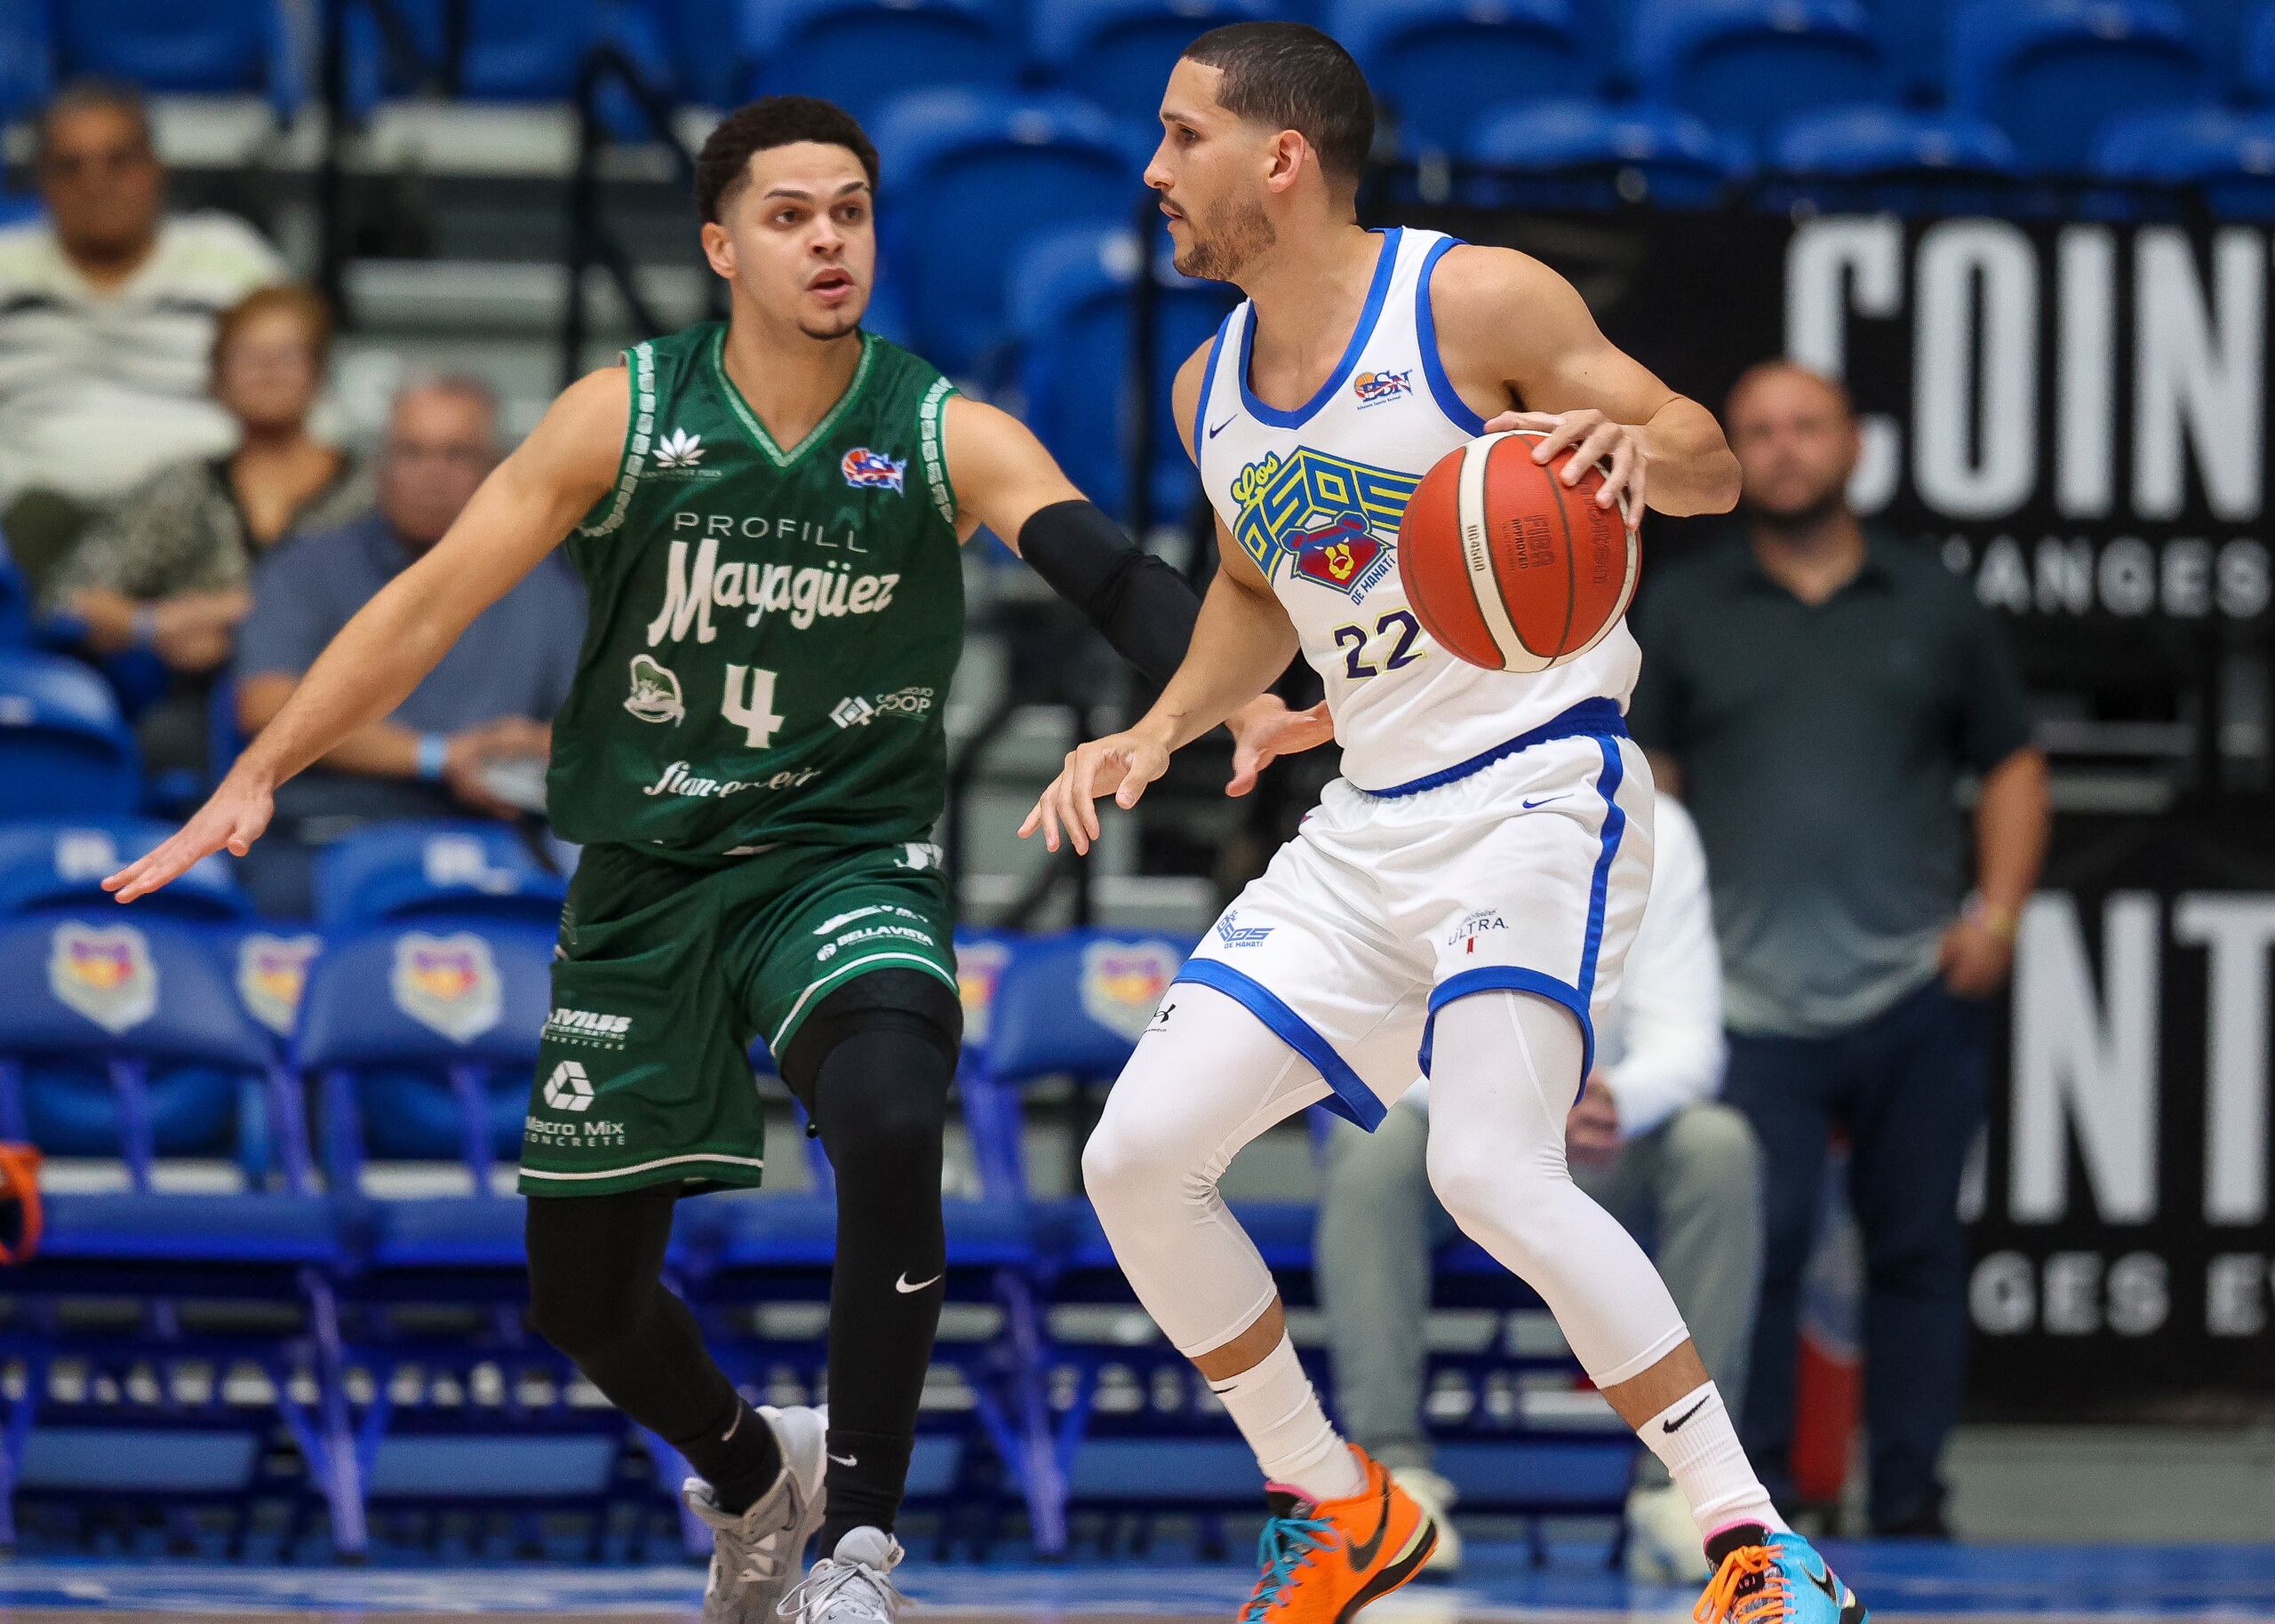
[2076, 415]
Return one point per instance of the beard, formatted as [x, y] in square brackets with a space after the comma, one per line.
[1793, 517]
[1231, 237]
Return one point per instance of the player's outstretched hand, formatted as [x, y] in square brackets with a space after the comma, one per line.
[1593, 438]
[1120, 765]
[234, 819]
[1264, 730]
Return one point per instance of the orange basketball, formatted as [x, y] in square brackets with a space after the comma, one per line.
[1507, 565]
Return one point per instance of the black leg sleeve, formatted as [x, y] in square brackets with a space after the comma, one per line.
[596, 1293]
[874, 1063]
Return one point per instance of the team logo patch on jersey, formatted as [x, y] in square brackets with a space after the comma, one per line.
[104, 973]
[1310, 501]
[1231, 933]
[868, 470]
[679, 450]
[449, 984]
[1345, 555]
[1373, 388]
[1123, 981]
[272, 972]
[655, 694]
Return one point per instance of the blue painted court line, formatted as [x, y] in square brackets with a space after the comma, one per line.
[2229, 1583]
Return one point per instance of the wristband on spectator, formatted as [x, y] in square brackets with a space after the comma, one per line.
[146, 625]
[2003, 923]
[433, 756]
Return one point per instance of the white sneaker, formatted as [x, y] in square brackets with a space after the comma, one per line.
[755, 1555]
[1435, 1496]
[853, 1585]
[1663, 1544]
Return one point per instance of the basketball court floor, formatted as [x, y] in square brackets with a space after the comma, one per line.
[1968, 1585]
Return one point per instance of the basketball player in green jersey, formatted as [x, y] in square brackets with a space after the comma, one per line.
[767, 515]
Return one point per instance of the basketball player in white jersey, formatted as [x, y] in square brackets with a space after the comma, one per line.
[1467, 890]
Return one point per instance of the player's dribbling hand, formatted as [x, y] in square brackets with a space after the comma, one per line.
[1591, 437]
[1264, 730]
[234, 819]
[1120, 765]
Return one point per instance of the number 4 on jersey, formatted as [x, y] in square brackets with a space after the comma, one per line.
[749, 703]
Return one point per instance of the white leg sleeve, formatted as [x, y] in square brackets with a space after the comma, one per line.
[1503, 1077]
[1201, 1084]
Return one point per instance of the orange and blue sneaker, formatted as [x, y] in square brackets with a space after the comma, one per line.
[1324, 1560]
[1764, 1578]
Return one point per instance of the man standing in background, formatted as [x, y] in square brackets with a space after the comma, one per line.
[1647, 1140]
[107, 316]
[1815, 693]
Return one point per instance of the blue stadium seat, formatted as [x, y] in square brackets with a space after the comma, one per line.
[27, 60]
[15, 592]
[214, 47]
[1118, 52]
[1748, 65]
[2259, 53]
[1070, 295]
[435, 1068]
[1876, 143]
[1434, 62]
[1916, 35]
[860, 53]
[64, 752]
[2230, 155]
[1588, 153]
[58, 867]
[2052, 73]
[464, 870]
[952, 157]
[123, 1040]
[514, 50]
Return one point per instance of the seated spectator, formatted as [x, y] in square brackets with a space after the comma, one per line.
[167, 572]
[1647, 1140]
[473, 736]
[107, 313]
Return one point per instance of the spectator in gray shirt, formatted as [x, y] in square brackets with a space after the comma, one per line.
[1815, 693]
[475, 735]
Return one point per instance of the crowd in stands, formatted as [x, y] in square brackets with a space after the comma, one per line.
[165, 496]
[177, 519]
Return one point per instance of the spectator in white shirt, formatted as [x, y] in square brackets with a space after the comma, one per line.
[1646, 1139]
[107, 315]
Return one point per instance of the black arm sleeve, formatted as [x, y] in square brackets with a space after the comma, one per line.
[1139, 605]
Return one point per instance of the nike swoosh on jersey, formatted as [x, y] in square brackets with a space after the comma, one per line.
[1362, 1554]
[905, 1288]
[1221, 427]
[1545, 800]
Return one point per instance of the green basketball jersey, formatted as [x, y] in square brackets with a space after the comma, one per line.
[772, 632]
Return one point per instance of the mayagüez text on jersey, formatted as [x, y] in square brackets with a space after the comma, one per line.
[803, 593]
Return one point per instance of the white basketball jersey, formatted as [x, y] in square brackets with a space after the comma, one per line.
[1314, 496]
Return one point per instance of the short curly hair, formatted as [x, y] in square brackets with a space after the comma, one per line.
[723, 164]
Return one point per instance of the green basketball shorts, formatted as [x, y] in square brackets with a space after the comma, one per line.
[665, 972]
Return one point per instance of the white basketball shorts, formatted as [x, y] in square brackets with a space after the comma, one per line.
[1525, 869]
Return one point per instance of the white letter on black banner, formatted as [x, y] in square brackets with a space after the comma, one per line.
[1974, 443]
[2199, 373]
[2239, 931]
[2077, 1066]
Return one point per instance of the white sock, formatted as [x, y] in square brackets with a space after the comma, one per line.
[1694, 1437]
[1274, 1406]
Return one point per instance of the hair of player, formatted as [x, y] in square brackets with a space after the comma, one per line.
[1289, 75]
[85, 95]
[722, 167]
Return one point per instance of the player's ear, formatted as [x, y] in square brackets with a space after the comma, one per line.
[719, 249]
[1290, 154]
